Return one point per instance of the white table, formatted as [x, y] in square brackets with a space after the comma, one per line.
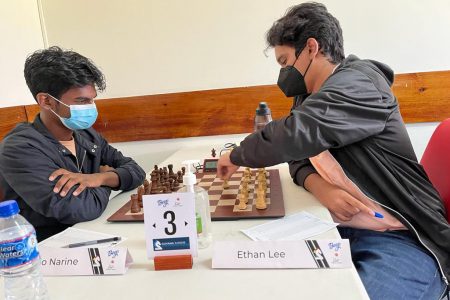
[203, 282]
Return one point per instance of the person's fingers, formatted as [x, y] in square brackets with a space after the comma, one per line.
[343, 217]
[225, 172]
[351, 209]
[363, 207]
[230, 171]
[70, 183]
[79, 189]
[61, 182]
[57, 173]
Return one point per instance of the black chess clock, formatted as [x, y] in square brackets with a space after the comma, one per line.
[210, 165]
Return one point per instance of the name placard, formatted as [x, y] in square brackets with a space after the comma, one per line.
[170, 226]
[84, 261]
[308, 254]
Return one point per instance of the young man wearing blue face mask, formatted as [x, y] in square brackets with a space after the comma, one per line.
[58, 168]
[346, 143]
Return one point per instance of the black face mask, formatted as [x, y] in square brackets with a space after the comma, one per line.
[291, 81]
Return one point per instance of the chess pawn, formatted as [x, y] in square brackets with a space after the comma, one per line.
[146, 187]
[176, 185]
[156, 168]
[180, 177]
[183, 170]
[244, 191]
[140, 194]
[154, 186]
[170, 170]
[134, 207]
[225, 185]
[242, 201]
[167, 186]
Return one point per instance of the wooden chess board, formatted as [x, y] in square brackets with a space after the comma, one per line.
[224, 202]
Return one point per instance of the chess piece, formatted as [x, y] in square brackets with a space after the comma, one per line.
[170, 170]
[175, 185]
[244, 191]
[183, 170]
[242, 202]
[154, 186]
[135, 208]
[225, 185]
[171, 184]
[140, 194]
[213, 152]
[180, 177]
[167, 186]
[147, 187]
[156, 168]
[260, 199]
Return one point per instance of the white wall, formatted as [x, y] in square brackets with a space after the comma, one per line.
[154, 46]
[20, 33]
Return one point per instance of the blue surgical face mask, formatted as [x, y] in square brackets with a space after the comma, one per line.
[81, 116]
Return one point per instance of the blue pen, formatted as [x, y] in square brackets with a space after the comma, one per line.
[378, 215]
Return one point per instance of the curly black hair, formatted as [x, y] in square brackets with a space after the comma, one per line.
[308, 20]
[55, 71]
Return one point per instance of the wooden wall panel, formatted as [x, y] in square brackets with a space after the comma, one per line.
[188, 114]
[423, 97]
[9, 117]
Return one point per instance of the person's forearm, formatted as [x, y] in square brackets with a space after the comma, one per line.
[313, 183]
[110, 179]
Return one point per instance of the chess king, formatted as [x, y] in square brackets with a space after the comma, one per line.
[345, 142]
[58, 168]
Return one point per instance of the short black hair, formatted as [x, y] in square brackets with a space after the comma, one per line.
[309, 20]
[55, 71]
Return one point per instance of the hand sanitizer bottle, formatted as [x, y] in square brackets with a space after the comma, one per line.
[202, 212]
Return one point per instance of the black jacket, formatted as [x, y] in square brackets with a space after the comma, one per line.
[29, 154]
[356, 117]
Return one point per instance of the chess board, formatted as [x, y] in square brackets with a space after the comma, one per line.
[224, 202]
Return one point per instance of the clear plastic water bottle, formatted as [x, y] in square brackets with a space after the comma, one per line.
[19, 257]
[202, 211]
[263, 116]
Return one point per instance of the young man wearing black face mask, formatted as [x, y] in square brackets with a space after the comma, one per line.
[346, 143]
[58, 168]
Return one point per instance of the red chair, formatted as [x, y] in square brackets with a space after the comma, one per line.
[436, 162]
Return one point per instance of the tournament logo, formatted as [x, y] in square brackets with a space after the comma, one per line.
[171, 244]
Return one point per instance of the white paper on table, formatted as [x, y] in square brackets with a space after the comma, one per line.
[73, 235]
[298, 226]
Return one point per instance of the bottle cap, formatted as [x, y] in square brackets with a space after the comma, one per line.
[8, 208]
[263, 109]
[189, 177]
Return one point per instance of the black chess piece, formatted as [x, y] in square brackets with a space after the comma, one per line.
[170, 170]
[180, 177]
[213, 152]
